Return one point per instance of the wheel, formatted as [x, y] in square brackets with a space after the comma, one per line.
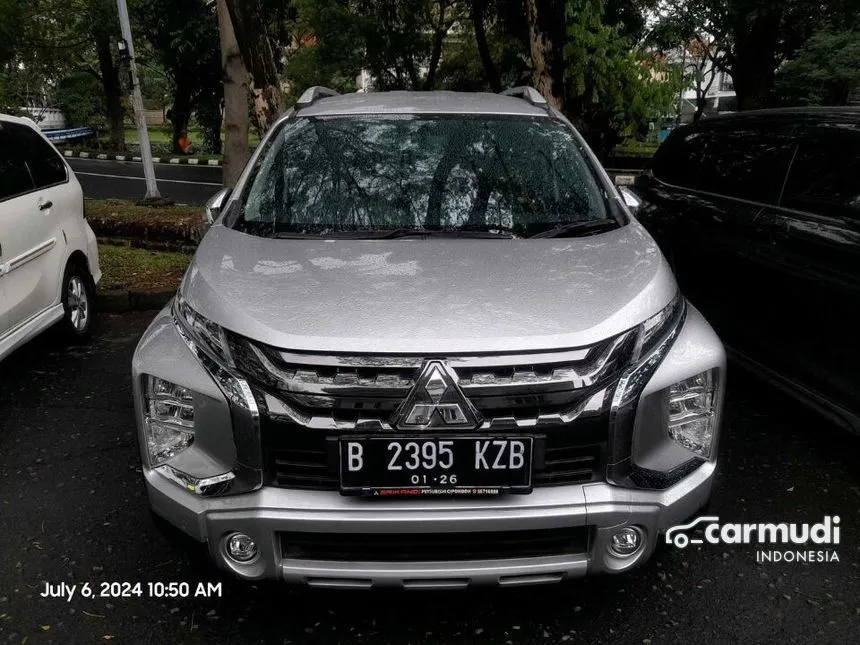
[77, 298]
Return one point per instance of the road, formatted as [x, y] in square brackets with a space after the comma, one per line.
[72, 509]
[183, 184]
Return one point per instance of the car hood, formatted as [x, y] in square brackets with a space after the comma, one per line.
[428, 296]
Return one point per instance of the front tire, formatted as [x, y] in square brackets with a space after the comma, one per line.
[77, 297]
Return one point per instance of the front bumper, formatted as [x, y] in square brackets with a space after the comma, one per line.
[266, 513]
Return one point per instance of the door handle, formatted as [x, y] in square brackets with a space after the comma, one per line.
[43, 206]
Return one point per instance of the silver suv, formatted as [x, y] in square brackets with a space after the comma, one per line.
[425, 343]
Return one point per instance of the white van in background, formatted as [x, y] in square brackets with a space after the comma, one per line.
[49, 262]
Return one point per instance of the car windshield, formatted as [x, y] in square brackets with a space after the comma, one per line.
[365, 176]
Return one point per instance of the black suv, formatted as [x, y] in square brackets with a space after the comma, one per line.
[759, 212]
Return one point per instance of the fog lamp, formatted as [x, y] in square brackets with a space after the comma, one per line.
[625, 542]
[692, 412]
[241, 547]
[169, 419]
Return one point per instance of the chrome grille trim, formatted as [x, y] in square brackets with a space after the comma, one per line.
[573, 377]
[361, 393]
[415, 362]
[280, 410]
[378, 377]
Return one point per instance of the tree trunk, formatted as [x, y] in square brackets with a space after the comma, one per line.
[249, 26]
[438, 39]
[109, 76]
[235, 100]
[700, 108]
[755, 59]
[490, 72]
[753, 85]
[180, 113]
[546, 24]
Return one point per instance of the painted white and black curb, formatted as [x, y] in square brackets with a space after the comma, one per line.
[191, 161]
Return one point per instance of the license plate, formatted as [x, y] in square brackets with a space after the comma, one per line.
[411, 466]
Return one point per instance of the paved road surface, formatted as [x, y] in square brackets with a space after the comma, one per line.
[124, 180]
[72, 509]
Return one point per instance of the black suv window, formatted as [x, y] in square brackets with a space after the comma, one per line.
[825, 175]
[678, 160]
[14, 177]
[42, 159]
[747, 162]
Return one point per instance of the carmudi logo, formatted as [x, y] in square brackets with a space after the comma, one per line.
[820, 538]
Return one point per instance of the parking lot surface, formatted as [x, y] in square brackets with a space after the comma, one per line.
[73, 510]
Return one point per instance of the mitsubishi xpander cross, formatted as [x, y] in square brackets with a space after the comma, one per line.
[425, 343]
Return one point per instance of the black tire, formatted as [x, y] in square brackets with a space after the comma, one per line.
[78, 298]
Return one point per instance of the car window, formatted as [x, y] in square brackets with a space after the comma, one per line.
[825, 175]
[42, 159]
[678, 160]
[354, 174]
[14, 176]
[746, 162]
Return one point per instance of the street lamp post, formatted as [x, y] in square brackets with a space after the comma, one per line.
[127, 49]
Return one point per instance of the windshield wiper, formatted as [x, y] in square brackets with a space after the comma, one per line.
[418, 232]
[287, 235]
[579, 229]
[391, 234]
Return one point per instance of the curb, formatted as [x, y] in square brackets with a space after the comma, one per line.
[191, 161]
[118, 300]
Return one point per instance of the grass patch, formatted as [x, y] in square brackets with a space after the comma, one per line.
[633, 148]
[140, 270]
[118, 209]
[126, 220]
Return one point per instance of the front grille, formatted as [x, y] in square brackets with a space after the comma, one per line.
[307, 401]
[330, 392]
[308, 459]
[433, 547]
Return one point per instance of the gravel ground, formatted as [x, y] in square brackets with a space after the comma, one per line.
[73, 510]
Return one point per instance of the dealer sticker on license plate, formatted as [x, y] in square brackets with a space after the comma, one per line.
[412, 466]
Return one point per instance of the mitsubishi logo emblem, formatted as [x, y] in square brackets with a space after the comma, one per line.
[436, 402]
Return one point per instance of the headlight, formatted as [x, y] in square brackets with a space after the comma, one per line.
[205, 333]
[692, 412]
[653, 329]
[169, 420]
[208, 341]
[655, 337]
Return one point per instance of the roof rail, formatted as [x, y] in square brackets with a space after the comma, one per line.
[526, 93]
[313, 94]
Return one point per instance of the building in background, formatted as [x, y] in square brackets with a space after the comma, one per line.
[708, 89]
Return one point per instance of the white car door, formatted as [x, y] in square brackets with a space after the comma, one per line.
[15, 183]
[33, 242]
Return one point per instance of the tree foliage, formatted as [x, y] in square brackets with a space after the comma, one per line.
[183, 37]
[612, 88]
[755, 37]
[57, 39]
[824, 72]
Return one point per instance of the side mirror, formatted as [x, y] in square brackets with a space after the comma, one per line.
[213, 207]
[631, 199]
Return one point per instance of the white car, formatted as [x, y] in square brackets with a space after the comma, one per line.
[49, 263]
